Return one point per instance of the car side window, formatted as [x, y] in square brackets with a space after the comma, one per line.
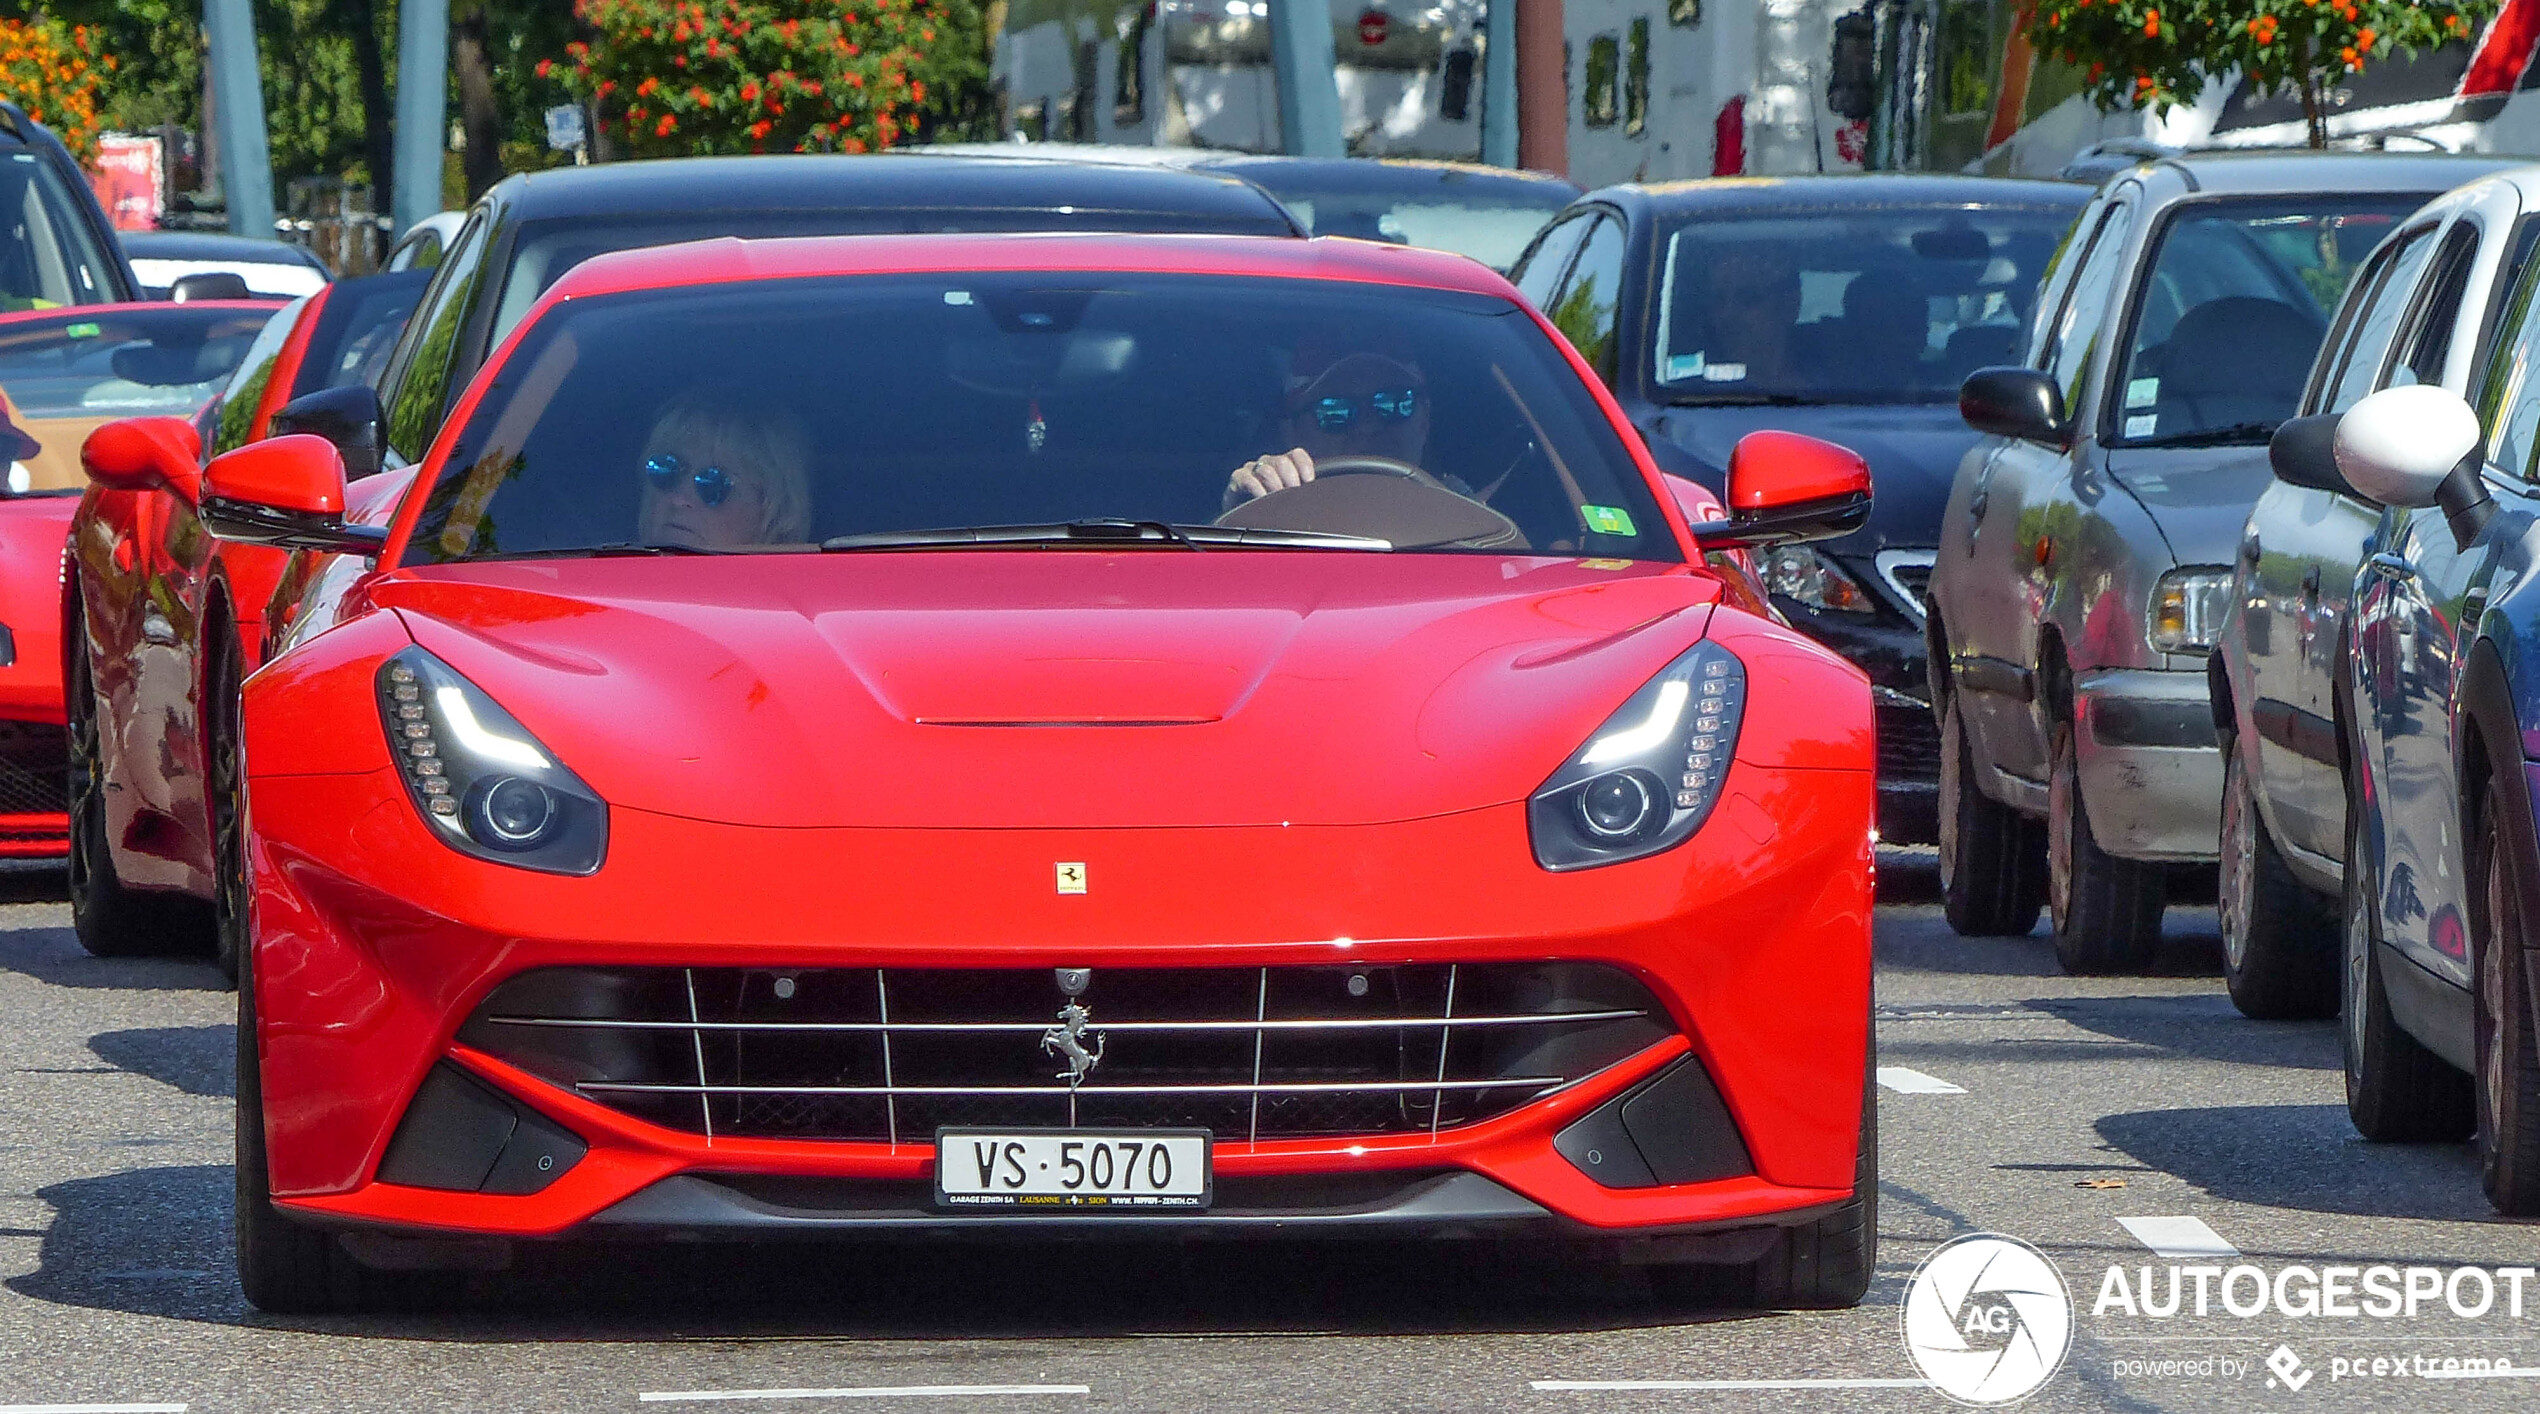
[1540, 272]
[2509, 403]
[2428, 340]
[237, 403]
[420, 369]
[1584, 308]
[2378, 321]
[2085, 312]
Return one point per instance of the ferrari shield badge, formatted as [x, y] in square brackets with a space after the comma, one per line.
[1071, 878]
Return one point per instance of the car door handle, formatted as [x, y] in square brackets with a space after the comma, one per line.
[2311, 582]
[2250, 548]
[2391, 567]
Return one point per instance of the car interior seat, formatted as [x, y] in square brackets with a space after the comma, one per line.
[2239, 359]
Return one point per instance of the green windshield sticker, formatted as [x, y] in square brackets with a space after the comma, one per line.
[2142, 392]
[1608, 520]
[81, 331]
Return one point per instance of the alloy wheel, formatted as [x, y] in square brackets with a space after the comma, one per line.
[1952, 765]
[2239, 874]
[2357, 945]
[2062, 799]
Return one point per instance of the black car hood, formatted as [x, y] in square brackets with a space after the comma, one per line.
[1913, 450]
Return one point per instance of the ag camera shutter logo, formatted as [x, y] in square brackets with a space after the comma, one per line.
[1988, 1319]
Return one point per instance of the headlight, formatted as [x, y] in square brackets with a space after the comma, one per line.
[1799, 573]
[1648, 778]
[2187, 609]
[483, 783]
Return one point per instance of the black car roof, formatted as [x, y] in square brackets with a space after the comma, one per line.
[912, 182]
[204, 245]
[1384, 175]
[1869, 189]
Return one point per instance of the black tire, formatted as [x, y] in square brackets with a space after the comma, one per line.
[1825, 1265]
[2280, 951]
[2508, 1082]
[229, 852]
[109, 919]
[2397, 1091]
[1992, 858]
[284, 1267]
[2106, 910]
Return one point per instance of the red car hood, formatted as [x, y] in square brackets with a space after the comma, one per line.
[1057, 689]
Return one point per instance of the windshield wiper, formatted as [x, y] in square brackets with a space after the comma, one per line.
[1742, 400]
[2238, 432]
[1105, 534]
[616, 549]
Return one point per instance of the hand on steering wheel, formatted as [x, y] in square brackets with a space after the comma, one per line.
[1285, 471]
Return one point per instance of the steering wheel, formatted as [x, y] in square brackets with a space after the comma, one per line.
[1373, 466]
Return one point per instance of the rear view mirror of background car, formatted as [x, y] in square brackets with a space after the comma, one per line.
[209, 284]
[144, 454]
[1953, 243]
[348, 418]
[1785, 488]
[2400, 445]
[2303, 453]
[2015, 402]
[286, 492]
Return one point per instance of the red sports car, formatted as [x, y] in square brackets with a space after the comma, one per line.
[151, 600]
[62, 373]
[1202, 736]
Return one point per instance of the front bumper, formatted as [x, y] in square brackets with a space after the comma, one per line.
[1754, 936]
[2150, 769]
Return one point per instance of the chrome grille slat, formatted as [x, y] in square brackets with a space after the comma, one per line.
[891, 1055]
[1035, 1028]
[1518, 1082]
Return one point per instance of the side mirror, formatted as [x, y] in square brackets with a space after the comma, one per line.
[2303, 452]
[1785, 488]
[2417, 446]
[346, 417]
[286, 492]
[2016, 402]
[145, 454]
[209, 284]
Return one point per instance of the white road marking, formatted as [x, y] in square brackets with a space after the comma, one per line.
[688, 1396]
[2178, 1237]
[1576, 1386]
[92, 1409]
[1914, 1082]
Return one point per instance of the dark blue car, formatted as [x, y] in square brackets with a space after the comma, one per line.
[1848, 308]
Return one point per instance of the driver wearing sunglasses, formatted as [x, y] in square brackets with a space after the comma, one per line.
[720, 473]
[1361, 405]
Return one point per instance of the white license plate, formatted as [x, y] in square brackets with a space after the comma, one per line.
[1120, 1169]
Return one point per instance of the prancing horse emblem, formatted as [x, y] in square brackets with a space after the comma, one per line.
[1067, 1038]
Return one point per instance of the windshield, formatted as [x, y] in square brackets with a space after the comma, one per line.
[1857, 305]
[2238, 299]
[126, 359]
[49, 256]
[545, 250]
[1477, 214]
[778, 415]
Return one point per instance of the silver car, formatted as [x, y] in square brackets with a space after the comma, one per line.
[2085, 557]
[2422, 311]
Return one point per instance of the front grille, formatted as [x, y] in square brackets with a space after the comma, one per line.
[1908, 573]
[34, 769]
[891, 1054]
[1909, 743]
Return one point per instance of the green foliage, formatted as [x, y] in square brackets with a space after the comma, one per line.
[2158, 53]
[680, 77]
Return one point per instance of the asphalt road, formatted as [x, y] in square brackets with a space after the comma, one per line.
[2024, 1103]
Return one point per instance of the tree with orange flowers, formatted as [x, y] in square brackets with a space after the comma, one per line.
[677, 77]
[2158, 53]
[51, 71]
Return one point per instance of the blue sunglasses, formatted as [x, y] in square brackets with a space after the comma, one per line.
[713, 484]
[1336, 414]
